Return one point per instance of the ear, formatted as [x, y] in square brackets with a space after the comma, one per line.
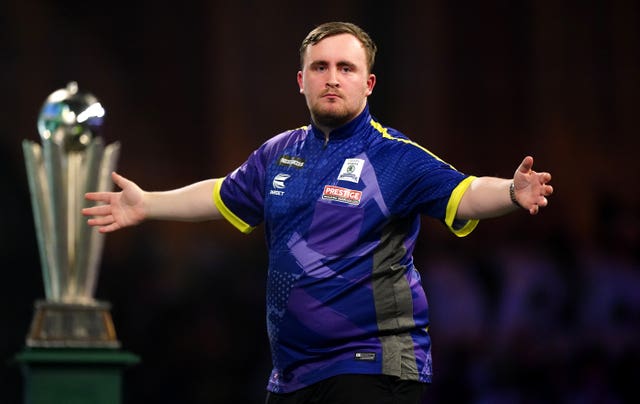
[300, 85]
[371, 82]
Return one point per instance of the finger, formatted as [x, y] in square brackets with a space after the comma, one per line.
[544, 177]
[98, 196]
[526, 165]
[543, 202]
[100, 221]
[110, 228]
[99, 210]
[119, 180]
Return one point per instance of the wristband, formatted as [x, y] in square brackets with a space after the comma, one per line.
[512, 195]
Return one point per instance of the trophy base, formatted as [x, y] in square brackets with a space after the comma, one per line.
[72, 325]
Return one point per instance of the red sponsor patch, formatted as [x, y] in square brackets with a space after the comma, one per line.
[340, 194]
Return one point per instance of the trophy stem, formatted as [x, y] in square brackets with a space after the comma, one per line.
[55, 184]
[39, 189]
[75, 177]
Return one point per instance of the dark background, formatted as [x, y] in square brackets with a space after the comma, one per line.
[540, 309]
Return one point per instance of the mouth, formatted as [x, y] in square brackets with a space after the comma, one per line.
[331, 95]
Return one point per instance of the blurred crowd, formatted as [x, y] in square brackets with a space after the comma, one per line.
[536, 322]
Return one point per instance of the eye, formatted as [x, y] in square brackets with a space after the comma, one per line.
[318, 67]
[346, 67]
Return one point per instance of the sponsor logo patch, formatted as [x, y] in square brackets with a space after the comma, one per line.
[288, 161]
[346, 195]
[278, 184]
[351, 170]
[278, 181]
[365, 356]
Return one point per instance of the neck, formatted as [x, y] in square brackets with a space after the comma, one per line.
[327, 129]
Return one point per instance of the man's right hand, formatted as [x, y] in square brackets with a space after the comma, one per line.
[116, 210]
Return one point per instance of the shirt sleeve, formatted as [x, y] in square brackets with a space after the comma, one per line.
[429, 186]
[240, 195]
[458, 227]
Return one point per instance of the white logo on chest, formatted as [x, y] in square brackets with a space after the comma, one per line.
[351, 170]
[278, 183]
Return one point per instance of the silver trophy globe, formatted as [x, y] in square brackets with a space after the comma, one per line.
[71, 161]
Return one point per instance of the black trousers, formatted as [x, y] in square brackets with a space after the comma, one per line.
[354, 389]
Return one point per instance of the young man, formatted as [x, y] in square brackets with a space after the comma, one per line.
[341, 201]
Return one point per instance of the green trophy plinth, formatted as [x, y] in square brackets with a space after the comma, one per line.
[73, 376]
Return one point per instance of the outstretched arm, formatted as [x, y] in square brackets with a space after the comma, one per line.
[132, 205]
[490, 197]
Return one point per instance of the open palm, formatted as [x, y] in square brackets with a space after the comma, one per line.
[116, 209]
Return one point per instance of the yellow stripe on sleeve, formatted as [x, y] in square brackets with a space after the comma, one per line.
[452, 208]
[226, 212]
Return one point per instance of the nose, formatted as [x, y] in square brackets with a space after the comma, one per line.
[332, 79]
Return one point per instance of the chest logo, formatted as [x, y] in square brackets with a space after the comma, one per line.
[350, 196]
[278, 181]
[278, 184]
[288, 161]
[351, 170]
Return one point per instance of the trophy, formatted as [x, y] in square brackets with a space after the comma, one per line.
[72, 160]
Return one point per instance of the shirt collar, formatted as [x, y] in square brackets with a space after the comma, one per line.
[348, 129]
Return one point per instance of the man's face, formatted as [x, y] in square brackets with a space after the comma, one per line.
[335, 80]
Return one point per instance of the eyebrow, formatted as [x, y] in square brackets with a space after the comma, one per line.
[341, 63]
[346, 63]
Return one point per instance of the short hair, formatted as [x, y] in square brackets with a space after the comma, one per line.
[329, 29]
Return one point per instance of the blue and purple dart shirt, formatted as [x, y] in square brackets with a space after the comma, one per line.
[341, 221]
